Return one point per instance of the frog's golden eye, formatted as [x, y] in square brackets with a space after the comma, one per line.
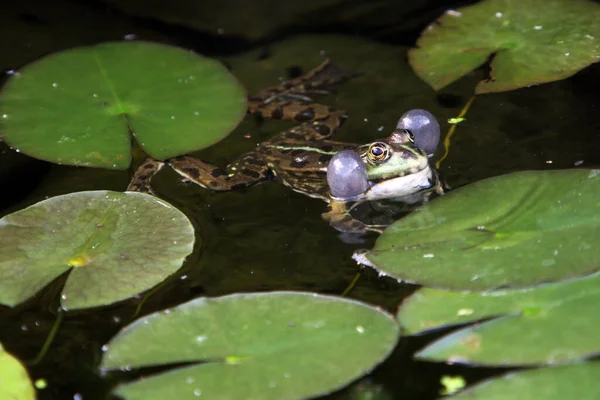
[378, 152]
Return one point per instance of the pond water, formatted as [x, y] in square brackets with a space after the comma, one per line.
[268, 237]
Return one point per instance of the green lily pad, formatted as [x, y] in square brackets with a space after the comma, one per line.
[532, 42]
[14, 380]
[548, 324]
[80, 106]
[513, 230]
[114, 244]
[578, 381]
[278, 345]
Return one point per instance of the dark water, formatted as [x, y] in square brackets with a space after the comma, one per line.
[267, 237]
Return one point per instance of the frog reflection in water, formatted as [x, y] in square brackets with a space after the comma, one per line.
[392, 167]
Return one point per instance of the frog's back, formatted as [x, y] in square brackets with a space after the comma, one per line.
[302, 166]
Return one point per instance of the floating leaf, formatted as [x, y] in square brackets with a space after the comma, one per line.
[532, 42]
[513, 230]
[79, 106]
[279, 345]
[14, 381]
[578, 381]
[114, 244]
[561, 321]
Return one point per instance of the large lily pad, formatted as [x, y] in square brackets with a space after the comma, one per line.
[513, 230]
[279, 345]
[114, 244]
[567, 382]
[14, 380]
[532, 42]
[549, 324]
[80, 106]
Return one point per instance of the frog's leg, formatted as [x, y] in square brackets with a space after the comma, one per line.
[338, 216]
[143, 175]
[291, 100]
[246, 171]
[437, 187]
[321, 80]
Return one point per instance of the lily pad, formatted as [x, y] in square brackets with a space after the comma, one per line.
[513, 230]
[531, 42]
[561, 322]
[278, 345]
[115, 245]
[578, 381]
[80, 106]
[14, 380]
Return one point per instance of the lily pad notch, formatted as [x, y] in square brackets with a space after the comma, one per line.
[531, 42]
[80, 106]
[114, 245]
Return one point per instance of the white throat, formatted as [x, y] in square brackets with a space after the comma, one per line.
[401, 186]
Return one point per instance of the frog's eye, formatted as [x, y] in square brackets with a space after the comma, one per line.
[378, 152]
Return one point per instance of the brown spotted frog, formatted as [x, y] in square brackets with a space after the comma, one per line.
[300, 156]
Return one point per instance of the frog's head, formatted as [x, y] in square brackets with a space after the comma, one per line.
[392, 157]
[392, 167]
[396, 167]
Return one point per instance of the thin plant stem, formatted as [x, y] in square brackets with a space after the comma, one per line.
[451, 131]
[353, 282]
[49, 339]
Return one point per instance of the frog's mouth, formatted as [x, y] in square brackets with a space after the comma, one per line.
[400, 186]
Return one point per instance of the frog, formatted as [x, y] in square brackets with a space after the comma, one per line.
[299, 157]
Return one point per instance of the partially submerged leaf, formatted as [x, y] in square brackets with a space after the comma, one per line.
[279, 345]
[14, 380]
[579, 381]
[513, 230]
[532, 42]
[548, 324]
[80, 106]
[115, 244]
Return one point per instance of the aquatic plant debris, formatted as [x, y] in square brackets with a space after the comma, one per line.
[577, 381]
[530, 42]
[452, 384]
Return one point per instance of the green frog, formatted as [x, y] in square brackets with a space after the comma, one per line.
[299, 157]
